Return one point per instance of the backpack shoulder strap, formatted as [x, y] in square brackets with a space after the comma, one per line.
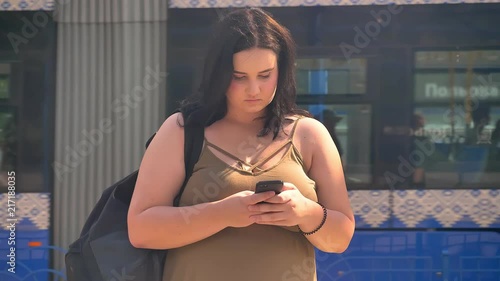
[193, 143]
[149, 140]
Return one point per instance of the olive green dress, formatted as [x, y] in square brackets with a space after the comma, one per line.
[253, 253]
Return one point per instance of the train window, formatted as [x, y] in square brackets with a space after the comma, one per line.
[7, 145]
[317, 76]
[8, 137]
[4, 86]
[457, 111]
[26, 109]
[350, 128]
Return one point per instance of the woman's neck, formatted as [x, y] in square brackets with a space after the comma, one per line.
[248, 120]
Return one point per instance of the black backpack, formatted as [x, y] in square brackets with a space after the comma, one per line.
[104, 252]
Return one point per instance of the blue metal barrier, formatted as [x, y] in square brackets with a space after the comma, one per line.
[31, 262]
[371, 256]
[415, 256]
[484, 268]
[374, 268]
[446, 265]
[375, 271]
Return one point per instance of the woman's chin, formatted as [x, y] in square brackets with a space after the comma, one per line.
[254, 110]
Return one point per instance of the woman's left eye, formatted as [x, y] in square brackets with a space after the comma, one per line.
[265, 76]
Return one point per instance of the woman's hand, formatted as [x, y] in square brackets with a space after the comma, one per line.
[288, 208]
[236, 207]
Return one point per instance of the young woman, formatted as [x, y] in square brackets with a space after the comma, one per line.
[222, 229]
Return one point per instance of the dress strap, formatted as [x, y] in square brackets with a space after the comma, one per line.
[295, 126]
[269, 157]
[223, 151]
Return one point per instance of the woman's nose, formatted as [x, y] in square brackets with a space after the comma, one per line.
[253, 88]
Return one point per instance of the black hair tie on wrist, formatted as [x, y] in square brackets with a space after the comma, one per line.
[320, 225]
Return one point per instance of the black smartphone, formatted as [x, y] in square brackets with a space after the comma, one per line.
[263, 186]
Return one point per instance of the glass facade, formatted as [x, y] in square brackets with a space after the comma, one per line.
[8, 124]
[457, 110]
[350, 125]
[331, 76]
[350, 128]
[27, 76]
[4, 81]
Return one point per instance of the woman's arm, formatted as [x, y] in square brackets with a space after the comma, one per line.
[326, 170]
[153, 222]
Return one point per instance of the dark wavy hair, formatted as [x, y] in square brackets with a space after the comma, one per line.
[240, 30]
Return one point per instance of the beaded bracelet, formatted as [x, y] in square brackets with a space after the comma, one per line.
[320, 225]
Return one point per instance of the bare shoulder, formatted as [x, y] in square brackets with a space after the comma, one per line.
[170, 136]
[310, 128]
[309, 135]
[172, 125]
[169, 140]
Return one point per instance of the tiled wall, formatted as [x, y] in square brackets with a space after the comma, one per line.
[468, 208]
[19, 5]
[295, 3]
[27, 5]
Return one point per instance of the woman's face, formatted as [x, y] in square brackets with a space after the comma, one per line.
[254, 81]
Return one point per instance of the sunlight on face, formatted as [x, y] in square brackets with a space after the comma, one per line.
[254, 80]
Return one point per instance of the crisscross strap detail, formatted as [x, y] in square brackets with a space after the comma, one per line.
[251, 167]
[223, 151]
[255, 166]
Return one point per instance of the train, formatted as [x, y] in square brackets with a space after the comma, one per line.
[409, 90]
